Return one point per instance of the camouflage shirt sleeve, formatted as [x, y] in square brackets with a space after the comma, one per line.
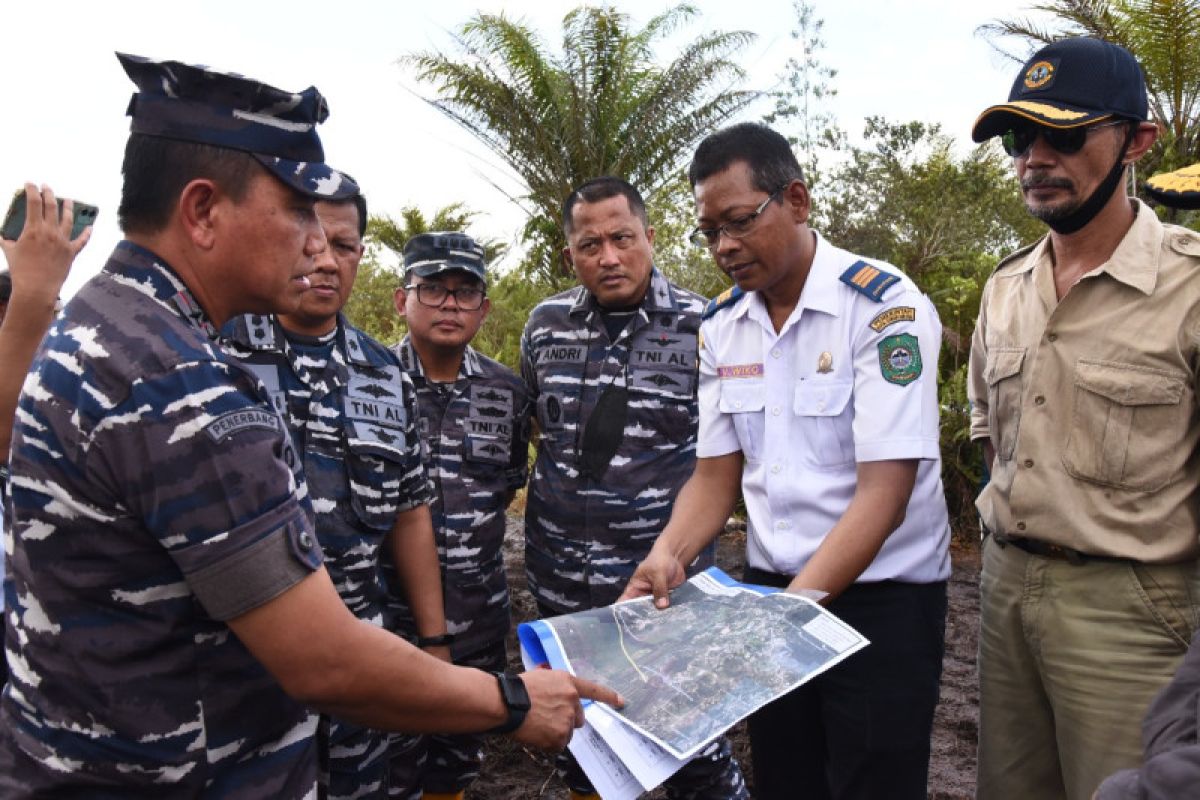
[415, 487]
[209, 469]
[528, 373]
[522, 420]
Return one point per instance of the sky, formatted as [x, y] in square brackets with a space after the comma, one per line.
[65, 95]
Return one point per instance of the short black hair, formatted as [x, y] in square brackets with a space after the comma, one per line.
[155, 170]
[602, 188]
[766, 152]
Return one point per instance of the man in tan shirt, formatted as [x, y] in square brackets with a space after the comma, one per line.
[1083, 381]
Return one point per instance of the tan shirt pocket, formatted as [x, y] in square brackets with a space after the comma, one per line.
[1124, 421]
[1003, 375]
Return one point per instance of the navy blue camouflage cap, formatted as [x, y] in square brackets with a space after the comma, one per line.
[196, 104]
[429, 254]
[1069, 83]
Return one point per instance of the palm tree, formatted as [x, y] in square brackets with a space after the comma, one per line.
[1164, 35]
[394, 234]
[603, 106]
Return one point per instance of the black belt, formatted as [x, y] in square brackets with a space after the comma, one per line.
[1037, 547]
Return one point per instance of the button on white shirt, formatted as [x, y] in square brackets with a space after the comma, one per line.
[822, 402]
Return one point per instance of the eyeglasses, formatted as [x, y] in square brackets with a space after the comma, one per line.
[1019, 139]
[433, 295]
[734, 229]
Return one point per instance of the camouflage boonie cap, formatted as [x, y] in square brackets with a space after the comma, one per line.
[195, 104]
[1178, 189]
[429, 254]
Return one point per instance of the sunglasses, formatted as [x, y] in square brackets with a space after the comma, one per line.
[1017, 140]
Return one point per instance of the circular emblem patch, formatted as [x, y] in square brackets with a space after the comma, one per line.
[900, 359]
[1039, 75]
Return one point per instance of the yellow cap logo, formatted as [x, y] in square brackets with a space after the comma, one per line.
[1039, 75]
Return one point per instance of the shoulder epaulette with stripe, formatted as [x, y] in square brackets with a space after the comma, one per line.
[725, 298]
[868, 280]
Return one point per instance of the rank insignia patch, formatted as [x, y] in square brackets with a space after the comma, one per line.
[868, 280]
[892, 316]
[900, 359]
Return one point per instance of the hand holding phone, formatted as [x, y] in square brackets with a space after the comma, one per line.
[14, 220]
[46, 243]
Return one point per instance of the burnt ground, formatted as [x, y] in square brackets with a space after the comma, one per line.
[512, 772]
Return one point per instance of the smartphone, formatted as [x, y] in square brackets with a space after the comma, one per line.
[14, 220]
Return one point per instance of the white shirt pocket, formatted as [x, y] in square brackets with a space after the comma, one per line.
[825, 422]
[745, 400]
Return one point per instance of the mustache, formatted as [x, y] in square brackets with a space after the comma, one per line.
[1046, 182]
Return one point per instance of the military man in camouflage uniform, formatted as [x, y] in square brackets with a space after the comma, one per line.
[168, 615]
[474, 418]
[352, 414]
[611, 365]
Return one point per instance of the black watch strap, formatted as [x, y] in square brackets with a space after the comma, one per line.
[441, 640]
[516, 699]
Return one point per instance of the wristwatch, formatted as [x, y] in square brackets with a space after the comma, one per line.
[516, 699]
[441, 640]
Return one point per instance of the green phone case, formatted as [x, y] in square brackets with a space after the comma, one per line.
[14, 220]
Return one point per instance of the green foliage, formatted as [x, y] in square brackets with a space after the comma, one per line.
[393, 234]
[672, 215]
[370, 306]
[907, 198]
[513, 297]
[604, 105]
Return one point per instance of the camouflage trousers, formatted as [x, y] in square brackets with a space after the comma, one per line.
[353, 760]
[442, 764]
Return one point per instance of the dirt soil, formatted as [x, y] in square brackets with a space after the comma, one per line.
[512, 772]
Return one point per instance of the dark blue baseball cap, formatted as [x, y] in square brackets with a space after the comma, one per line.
[429, 254]
[1070, 83]
[196, 104]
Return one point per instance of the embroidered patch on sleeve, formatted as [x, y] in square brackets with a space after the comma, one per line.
[234, 422]
[893, 315]
[900, 359]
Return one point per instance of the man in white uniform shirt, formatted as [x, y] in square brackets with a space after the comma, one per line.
[818, 401]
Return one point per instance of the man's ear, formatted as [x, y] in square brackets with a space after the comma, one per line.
[400, 299]
[650, 235]
[199, 212]
[1143, 139]
[795, 197]
[568, 263]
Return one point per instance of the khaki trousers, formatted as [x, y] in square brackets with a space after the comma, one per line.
[1069, 659]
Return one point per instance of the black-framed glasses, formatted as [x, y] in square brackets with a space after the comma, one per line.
[1018, 139]
[735, 228]
[468, 298]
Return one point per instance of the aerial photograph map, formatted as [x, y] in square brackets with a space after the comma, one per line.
[717, 653]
